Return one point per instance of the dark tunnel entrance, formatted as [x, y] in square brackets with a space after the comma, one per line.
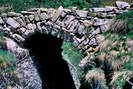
[45, 51]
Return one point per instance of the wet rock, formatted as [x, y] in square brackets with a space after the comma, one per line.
[12, 23]
[121, 4]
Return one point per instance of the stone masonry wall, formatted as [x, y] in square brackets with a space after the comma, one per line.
[73, 25]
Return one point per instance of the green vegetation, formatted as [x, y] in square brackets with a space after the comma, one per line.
[71, 53]
[73, 56]
[19, 5]
[8, 72]
[120, 82]
[112, 2]
[123, 23]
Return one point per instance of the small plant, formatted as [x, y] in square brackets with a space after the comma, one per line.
[96, 78]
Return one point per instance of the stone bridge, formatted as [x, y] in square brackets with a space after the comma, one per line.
[77, 26]
[73, 25]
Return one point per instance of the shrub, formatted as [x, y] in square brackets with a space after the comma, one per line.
[123, 23]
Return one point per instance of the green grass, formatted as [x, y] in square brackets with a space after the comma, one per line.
[73, 56]
[120, 82]
[112, 2]
[19, 5]
[71, 53]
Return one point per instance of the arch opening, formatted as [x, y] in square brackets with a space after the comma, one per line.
[45, 51]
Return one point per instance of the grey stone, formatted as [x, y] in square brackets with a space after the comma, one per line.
[63, 14]
[27, 13]
[58, 13]
[31, 17]
[81, 29]
[43, 16]
[55, 31]
[110, 8]
[32, 9]
[93, 41]
[31, 26]
[27, 19]
[122, 4]
[77, 41]
[97, 9]
[74, 24]
[98, 22]
[51, 12]
[38, 26]
[12, 23]
[37, 17]
[97, 31]
[20, 21]
[82, 13]
[68, 19]
[104, 27]
[13, 14]
[22, 30]
[18, 38]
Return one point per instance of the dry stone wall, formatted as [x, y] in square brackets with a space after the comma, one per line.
[73, 25]
[76, 26]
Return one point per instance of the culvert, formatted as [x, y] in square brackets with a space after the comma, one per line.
[45, 51]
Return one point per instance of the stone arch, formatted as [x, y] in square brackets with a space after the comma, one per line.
[45, 51]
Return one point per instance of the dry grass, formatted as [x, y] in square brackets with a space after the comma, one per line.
[119, 26]
[126, 75]
[96, 74]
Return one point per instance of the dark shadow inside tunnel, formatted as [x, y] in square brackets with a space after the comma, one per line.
[45, 51]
